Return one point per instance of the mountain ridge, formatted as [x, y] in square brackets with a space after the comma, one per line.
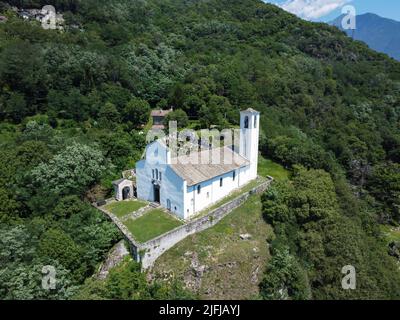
[379, 33]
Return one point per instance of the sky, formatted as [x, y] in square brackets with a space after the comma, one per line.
[327, 10]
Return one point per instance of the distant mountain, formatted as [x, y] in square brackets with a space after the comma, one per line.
[381, 34]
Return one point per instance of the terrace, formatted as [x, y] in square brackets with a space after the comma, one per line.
[143, 221]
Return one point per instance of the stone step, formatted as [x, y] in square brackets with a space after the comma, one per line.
[154, 205]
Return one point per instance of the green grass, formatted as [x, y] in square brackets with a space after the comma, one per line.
[152, 224]
[390, 233]
[267, 167]
[123, 208]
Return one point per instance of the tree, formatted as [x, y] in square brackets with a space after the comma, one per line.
[216, 112]
[154, 69]
[307, 219]
[22, 69]
[21, 276]
[70, 104]
[127, 282]
[16, 107]
[68, 206]
[55, 244]
[275, 203]
[384, 185]
[179, 116]
[311, 197]
[284, 278]
[137, 112]
[109, 115]
[16, 244]
[298, 149]
[9, 207]
[31, 153]
[24, 282]
[37, 132]
[71, 171]
[118, 147]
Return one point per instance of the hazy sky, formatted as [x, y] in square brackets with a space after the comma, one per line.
[326, 10]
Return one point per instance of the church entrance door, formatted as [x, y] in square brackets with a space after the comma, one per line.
[157, 194]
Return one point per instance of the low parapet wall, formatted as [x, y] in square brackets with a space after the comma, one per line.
[151, 250]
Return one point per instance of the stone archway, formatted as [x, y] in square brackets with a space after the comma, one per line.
[124, 189]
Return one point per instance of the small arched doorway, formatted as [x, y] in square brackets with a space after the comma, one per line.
[126, 193]
[124, 189]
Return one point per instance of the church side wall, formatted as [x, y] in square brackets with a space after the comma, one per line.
[210, 192]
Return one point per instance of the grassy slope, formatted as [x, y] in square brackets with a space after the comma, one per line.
[268, 167]
[233, 267]
[391, 233]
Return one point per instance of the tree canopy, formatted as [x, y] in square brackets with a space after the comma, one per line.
[74, 110]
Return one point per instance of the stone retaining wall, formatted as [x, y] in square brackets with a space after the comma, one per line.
[154, 248]
[134, 246]
[150, 251]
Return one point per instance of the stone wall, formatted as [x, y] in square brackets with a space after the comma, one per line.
[134, 246]
[150, 251]
[154, 248]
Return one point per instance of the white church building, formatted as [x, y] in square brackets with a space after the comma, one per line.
[187, 184]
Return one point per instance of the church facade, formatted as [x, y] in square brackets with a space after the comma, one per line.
[187, 184]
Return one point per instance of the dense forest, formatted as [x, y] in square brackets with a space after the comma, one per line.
[73, 104]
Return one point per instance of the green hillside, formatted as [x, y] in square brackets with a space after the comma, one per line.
[217, 263]
[73, 103]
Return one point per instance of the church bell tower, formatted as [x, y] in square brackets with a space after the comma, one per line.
[249, 137]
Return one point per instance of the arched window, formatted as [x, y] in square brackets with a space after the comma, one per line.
[198, 189]
[234, 175]
[246, 122]
[221, 182]
[255, 121]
